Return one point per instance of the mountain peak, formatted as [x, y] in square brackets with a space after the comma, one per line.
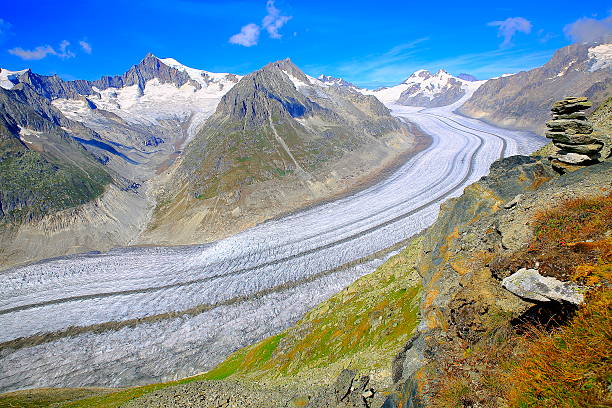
[467, 77]
[149, 55]
[282, 64]
[285, 66]
[330, 80]
[9, 78]
[421, 74]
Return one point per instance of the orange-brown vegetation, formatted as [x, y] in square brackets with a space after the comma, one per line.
[567, 364]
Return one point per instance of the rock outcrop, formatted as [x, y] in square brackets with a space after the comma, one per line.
[466, 298]
[573, 135]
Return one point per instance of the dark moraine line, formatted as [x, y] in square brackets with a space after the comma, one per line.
[504, 142]
[270, 263]
[37, 339]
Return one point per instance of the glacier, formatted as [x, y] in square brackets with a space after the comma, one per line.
[144, 314]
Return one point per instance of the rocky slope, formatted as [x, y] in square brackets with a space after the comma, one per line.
[464, 302]
[523, 100]
[43, 169]
[279, 140]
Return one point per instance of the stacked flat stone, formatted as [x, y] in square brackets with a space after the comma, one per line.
[572, 133]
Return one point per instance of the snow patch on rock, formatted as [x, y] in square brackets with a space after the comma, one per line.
[7, 77]
[602, 54]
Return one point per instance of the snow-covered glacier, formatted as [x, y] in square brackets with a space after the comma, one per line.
[138, 315]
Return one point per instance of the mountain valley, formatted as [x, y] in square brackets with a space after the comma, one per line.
[173, 236]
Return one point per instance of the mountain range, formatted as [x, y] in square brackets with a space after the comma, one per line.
[168, 154]
[343, 247]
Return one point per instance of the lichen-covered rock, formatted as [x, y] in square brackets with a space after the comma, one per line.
[571, 105]
[570, 126]
[587, 149]
[344, 382]
[577, 138]
[529, 284]
[464, 300]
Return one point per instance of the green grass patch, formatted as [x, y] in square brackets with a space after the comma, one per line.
[46, 187]
[46, 397]
[374, 316]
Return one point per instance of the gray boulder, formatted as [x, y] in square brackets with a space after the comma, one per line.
[343, 385]
[529, 284]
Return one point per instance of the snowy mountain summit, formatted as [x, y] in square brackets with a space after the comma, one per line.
[428, 90]
[138, 118]
[333, 81]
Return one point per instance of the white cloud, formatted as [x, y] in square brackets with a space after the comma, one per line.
[85, 46]
[42, 51]
[274, 21]
[509, 27]
[589, 29]
[37, 53]
[248, 36]
[64, 52]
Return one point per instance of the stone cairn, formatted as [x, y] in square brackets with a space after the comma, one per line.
[572, 133]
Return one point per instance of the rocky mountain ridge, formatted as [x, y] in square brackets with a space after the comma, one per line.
[276, 127]
[140, 119]
[38, 146]
[53, 87]
[427, 90]
[522, 100]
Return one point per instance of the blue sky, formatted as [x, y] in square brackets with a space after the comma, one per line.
[371, 43]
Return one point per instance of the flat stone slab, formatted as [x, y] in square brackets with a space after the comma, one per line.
[578, 138]
[574, 158]
[571, 126]
[529, 284]
[571, 105]
[574, 115]
[586, 149]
